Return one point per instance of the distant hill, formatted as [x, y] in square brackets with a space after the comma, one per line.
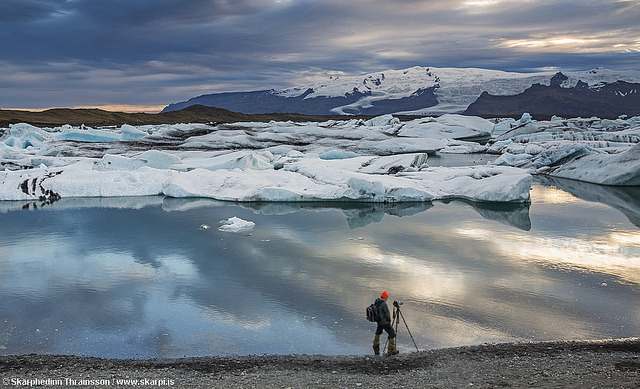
[98, 117]
[417, 90]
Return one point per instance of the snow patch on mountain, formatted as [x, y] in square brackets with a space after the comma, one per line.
[455, 88]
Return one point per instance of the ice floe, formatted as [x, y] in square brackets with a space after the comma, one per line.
[85, 134]
[600, 151]
[621, 169]
[381, 160]
[235, 224]
[368, 179]
[449, 126]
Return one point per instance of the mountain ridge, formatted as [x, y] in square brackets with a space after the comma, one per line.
[416, 90]
[611, 99]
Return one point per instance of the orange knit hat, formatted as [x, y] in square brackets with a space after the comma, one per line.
[384, 294]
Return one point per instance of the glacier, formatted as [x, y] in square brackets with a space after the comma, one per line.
[452, 89]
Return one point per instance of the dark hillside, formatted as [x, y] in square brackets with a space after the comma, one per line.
[191, 114]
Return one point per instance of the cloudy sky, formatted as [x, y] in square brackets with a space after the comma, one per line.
[144, 54]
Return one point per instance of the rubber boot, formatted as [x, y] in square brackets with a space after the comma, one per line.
[376, 345]
[392, 350]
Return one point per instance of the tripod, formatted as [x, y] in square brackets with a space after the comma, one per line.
[397, 314]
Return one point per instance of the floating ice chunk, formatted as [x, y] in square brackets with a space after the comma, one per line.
[502, 126]
[235, 224]
[521, 129]
[391, 164]
[383, 120]
[159, 159]
[620, 169]
[462, 147]
[252, 185]
[242, 160]
[508, 159]
[448, 126]
[203, 227]
[80, 180]
[131, 133]
[88, 135]
[485, 184]
[402, 145]
[23, 135]
[525, 118]
[500, 184]
[338, 154]
[562, 154]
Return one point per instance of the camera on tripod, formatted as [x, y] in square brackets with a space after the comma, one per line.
[397, 304]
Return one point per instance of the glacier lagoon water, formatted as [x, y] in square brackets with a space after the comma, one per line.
[135, 277]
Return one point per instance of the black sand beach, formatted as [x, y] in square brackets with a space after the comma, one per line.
[567, 364]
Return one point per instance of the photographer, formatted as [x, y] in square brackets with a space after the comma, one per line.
[384, 323]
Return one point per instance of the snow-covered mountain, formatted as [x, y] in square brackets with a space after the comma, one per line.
[417, 90]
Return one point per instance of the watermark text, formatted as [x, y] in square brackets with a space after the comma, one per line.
[69, 381]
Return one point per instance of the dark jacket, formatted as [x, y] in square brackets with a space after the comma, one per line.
[383, 311]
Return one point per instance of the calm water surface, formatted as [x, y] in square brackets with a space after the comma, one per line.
[135, 277]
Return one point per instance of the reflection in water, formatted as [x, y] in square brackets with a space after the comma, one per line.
[136, 278]
[516, 215]
[360, 214]
[624, 199]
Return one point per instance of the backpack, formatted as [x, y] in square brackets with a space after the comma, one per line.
[372, 313]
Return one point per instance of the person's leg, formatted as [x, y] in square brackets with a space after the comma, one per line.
[376, 341]
[392, 350]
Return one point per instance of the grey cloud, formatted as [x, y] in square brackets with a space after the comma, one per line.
[20, 11]
[172, 50]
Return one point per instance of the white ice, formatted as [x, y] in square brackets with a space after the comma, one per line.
[378, 160]
[621, 169]
[235, 224]
[126, 133]
[448, 126]
[600, 151]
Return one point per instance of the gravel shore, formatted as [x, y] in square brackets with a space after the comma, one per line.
[574, 364]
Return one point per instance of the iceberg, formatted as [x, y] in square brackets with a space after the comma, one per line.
[314, 179]
[86, 134]
[449, 126]
[159, 159]
[235, 224]
[338, 154]
[617, 170]
[82, 179]
[22, 136]
[363, 179]
[335, 161]
[130, 133]
[599, 151]
[234, 160]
